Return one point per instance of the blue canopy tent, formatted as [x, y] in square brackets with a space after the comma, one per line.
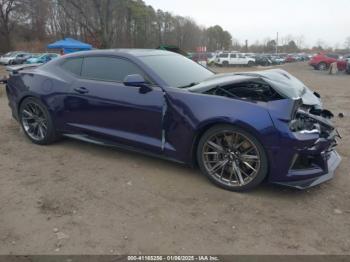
[70, 45]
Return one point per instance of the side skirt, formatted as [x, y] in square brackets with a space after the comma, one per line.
[106, 143]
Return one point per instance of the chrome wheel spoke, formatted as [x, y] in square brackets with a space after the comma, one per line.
[238, 173]
[249, 157]
[216, 147]
[218, 165]
[34, 121]
[28, 114]
[249, 165]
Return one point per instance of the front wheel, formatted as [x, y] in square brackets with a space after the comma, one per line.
[250, 63]
[36, 122]
[322, 66]
[232, 158]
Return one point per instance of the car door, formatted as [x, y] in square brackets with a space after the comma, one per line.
[241, 59]
[101, 106]
[233, 59]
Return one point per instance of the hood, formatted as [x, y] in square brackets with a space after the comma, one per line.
[281, 81]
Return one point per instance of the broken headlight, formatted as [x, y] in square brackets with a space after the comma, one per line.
[309, 123]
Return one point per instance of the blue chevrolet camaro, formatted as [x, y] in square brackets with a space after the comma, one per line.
[240, 128]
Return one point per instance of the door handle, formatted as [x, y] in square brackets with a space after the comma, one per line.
[81, 90]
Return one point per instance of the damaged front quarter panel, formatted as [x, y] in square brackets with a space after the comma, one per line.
[306, 147]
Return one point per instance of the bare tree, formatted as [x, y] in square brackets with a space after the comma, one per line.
[7, 9]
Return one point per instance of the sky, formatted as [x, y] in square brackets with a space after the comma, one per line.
[310, 20]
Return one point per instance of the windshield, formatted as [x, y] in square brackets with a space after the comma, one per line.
[176, 70]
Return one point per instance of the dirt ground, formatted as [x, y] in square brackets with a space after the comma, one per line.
[77, 198]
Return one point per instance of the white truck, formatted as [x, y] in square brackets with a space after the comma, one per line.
[230, 59]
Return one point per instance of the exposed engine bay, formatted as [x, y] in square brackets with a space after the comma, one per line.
[250, 90]
[307, 117]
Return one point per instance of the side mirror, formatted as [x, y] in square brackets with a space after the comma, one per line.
[134, 80]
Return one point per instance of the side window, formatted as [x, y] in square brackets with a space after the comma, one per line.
[223, 55]
[108, 68]
[73, 65]
[233, 56]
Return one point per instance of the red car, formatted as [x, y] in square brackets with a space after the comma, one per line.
[322, 61]
[290, 59]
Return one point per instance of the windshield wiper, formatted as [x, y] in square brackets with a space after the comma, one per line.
[189, 85]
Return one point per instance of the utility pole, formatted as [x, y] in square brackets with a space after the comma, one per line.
[277, 44]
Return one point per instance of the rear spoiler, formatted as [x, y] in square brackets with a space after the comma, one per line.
[15, 69]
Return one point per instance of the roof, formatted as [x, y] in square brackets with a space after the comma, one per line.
[131, 52]
[69, 43]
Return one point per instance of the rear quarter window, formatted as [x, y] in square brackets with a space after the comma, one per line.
[73, 65]
[109, 69]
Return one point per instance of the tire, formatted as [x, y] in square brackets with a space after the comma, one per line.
[250, 63]
[322, 66]
[37, 122]
[235, 170]
[225, 64]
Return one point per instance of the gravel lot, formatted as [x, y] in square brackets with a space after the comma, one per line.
[74, 198]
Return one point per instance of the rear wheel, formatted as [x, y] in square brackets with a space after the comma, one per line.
[232, 158]
[225, 63]
[322, 66]
[36, 122]
[250, 63]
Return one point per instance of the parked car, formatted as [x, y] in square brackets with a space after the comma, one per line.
[43, 58]
[21, 59]
[228, 59]
[205, 58]
[322, 61]
[8, 58]
[262, 60]
[240, 129]
[277, 60]
[290, 59]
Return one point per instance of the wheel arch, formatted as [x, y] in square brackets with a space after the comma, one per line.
[20, 101]
[31, 95]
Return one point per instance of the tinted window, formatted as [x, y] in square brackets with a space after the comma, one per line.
[332, 56]
[233, 56]
[223, 55]
[108, 68]
[73, 65]
[177, 70]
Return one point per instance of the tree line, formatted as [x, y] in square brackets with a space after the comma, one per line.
[103, 23]
[32, 24]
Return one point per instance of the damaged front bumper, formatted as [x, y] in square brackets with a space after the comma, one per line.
[306, 154]
[331, 162]
[313, 160]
